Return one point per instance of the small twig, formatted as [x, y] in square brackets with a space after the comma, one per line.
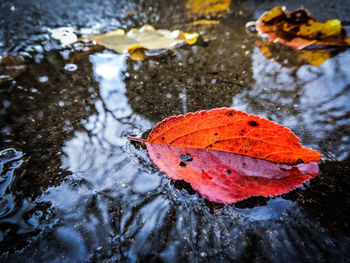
[7, 51]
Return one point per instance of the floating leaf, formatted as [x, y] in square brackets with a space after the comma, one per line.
[228, 155]
[299, 30]
[145, 38]
[233, 131]
[208, 8]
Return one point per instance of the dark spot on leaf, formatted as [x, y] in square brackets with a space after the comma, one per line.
[244, 165]
[229, 171]
[210, 146]
[300, 161]
[230, 113]
[253, 123]
[182, 164]
[216, 134]
[163, 138]
[319, 35]
[242, 130]
[186, 158]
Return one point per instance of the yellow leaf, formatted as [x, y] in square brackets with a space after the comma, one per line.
[314, 29]
[147, 37]
[205, 22]
[299, 30]
[208, 8]
[274, 13]
[137, 54]
[189, 38]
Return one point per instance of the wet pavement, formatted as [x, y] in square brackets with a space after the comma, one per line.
[74, 189]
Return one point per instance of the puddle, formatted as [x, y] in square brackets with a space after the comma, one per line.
[74, 189]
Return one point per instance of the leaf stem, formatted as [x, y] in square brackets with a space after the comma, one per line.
[136, 139]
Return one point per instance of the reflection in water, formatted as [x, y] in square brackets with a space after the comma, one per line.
[75, 189]
[112, 208]
[312, 101]
[108, 69]
[39, 116]
[290, 57]
[64, 34]
[192, 78]
[10, 160]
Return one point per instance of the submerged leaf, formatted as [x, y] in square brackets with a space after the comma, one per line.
[228, 155]
[146, 38]
[208, 8]
[205, 22]
[299, 30]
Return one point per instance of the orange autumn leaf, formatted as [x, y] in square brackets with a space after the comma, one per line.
[299, 30]
[233, 131]
[228, 155]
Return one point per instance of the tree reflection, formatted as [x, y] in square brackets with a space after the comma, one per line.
[324, 192]
[310, 100]
[192, 78]
[45, 106]
[115, 205]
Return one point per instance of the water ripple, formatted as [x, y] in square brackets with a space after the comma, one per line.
[10, 160]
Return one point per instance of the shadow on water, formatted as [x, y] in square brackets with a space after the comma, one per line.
[74, 189]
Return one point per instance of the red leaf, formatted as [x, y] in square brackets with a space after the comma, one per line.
[209, 150]
[233, 131]
[225, 177]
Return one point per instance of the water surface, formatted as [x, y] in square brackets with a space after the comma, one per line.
[74, 189]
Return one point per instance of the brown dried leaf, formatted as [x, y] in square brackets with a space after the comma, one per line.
[299, 30]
